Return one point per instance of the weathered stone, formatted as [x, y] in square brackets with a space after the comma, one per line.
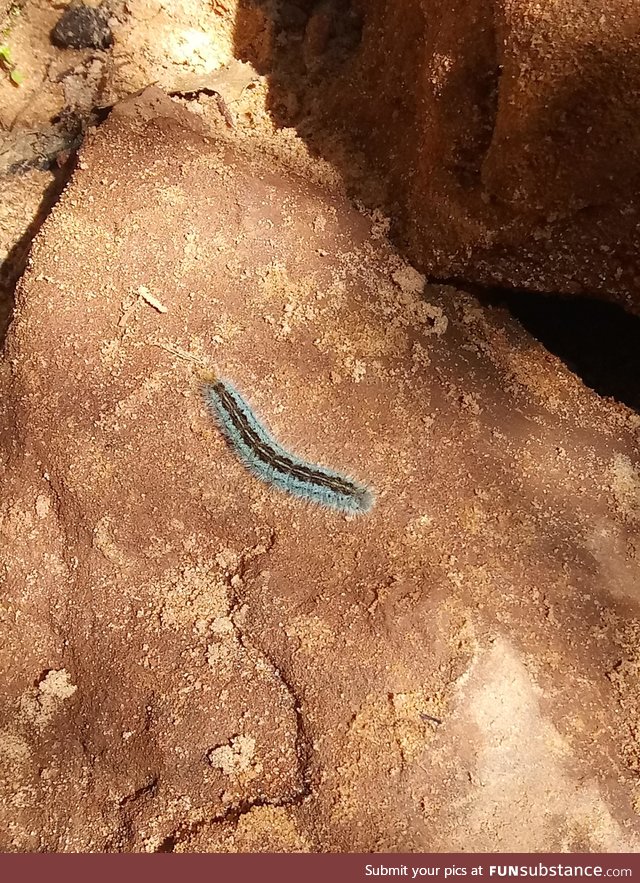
[194, 661]
[508, 132]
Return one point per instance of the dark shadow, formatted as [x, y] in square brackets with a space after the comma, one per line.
[598, 341]
[302, 46]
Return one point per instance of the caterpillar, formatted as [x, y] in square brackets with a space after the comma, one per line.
[263, 456]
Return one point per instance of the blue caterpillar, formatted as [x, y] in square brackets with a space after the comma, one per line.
[270, 462]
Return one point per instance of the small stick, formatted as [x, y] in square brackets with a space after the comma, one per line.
[223, 107]
[182, 354]
[146, 295]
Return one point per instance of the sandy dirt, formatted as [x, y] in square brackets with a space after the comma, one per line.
[194, 662]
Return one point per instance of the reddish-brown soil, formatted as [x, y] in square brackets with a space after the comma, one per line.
[194, 661]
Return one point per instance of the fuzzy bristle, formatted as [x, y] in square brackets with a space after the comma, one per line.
[270, 462]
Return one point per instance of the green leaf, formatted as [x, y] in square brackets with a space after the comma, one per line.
[5, 54]
[17, 78]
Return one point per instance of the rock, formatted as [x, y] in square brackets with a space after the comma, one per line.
[508, 132]
[83, 27]
[196, 662]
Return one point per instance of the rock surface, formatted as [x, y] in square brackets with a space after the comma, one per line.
[194, 662]
[508, 130]
[504, 131]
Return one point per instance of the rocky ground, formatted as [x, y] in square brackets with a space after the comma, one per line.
[192, 661]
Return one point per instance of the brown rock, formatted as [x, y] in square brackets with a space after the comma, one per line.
[83, 27]
[508, 131]
[195, 661]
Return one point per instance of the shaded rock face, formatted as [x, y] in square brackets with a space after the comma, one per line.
[508, 130]
[195, 662]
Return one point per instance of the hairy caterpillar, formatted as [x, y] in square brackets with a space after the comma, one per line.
[270, 462]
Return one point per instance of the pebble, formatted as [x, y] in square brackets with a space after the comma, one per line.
[82, 27]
